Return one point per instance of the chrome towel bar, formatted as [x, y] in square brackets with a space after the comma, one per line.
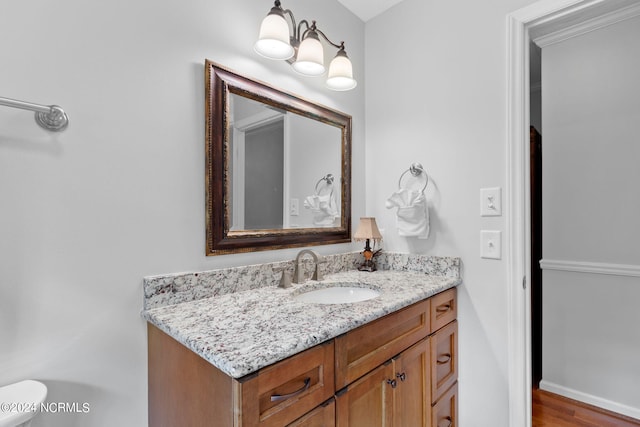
[50, 117]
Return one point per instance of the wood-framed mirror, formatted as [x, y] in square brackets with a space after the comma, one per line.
[278, 167]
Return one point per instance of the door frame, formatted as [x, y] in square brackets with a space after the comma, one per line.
[544, 15]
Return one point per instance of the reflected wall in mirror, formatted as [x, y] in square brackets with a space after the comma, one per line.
[278, 167]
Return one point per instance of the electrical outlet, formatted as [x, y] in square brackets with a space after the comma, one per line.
[491, 201]
[294, 207]
[491, 244]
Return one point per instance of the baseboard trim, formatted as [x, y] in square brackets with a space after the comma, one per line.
[600, 402]
[591, 267]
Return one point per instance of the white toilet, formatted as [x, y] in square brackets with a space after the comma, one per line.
[21, 402]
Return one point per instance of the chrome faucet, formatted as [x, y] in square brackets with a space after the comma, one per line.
[298, 273]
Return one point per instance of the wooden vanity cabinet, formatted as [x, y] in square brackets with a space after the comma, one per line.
[399, 370]
[186, 390]
[411, 360]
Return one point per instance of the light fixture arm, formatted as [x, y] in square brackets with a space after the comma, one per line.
[324, 36]
[298, 34]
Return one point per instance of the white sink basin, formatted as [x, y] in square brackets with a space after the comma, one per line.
[337, 295]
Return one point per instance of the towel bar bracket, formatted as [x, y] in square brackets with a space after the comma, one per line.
[49, 117]
[56, 120]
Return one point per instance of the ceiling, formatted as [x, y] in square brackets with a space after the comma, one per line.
[367, 9]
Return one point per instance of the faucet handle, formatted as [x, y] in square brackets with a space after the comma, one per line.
[285, 280]
[317, 273]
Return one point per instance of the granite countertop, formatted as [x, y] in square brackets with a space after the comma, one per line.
[242, 332]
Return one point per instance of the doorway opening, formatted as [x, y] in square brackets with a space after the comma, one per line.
[526, 24]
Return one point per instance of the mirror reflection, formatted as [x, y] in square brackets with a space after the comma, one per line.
[285, 170]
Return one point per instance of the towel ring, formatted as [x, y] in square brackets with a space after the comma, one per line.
[416, 170]
[329, 180]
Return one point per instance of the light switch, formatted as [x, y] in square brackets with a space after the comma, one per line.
[294, 207]
[491, 201]
[491, 244]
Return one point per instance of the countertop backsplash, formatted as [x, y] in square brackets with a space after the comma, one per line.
[170, 289]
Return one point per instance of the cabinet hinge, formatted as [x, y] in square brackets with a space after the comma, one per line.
[524, 282]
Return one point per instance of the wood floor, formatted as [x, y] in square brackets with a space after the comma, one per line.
[551, 410]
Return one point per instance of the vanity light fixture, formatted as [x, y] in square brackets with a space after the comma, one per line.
[303, 50]
[368, 230]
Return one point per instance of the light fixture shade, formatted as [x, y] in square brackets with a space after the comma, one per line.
[341, 73]
[273, 41]
[310, 59]
[367, 229]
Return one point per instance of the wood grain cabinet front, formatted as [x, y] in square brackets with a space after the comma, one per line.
[368, 402]
[283, 392]
[445, 411]
[323, 416]
[394, 394]
[364, 348]
[444, 359]
[186, 390]
[399, 370]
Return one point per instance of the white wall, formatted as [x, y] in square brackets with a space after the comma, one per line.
[318, 154]
[591, 110]
[86, 214]
[436, 94]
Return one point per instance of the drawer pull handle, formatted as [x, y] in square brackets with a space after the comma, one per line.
[443, 358]
[446, 419]
[392, 383]
[402, 376]
[443, 308]
[277, 397]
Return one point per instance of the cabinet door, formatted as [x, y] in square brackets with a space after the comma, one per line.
[323, 416]
[412, 400]
[444, 359]
[368, 402]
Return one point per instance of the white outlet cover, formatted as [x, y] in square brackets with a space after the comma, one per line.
[491, 201]
[491, 244]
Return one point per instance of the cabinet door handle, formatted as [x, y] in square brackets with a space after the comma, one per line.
[401, 376]
[443, 358]
[392, 383]
[277, 397]
[446, 419]
[443, 308]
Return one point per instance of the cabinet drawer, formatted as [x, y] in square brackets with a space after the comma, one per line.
[361, 350]
[283, 392]
[445, 411]
[323, 416]
[444, 359]
[443, 309]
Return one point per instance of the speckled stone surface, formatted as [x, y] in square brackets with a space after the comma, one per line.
[243, 331]
[169, 289]
[176, 288]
